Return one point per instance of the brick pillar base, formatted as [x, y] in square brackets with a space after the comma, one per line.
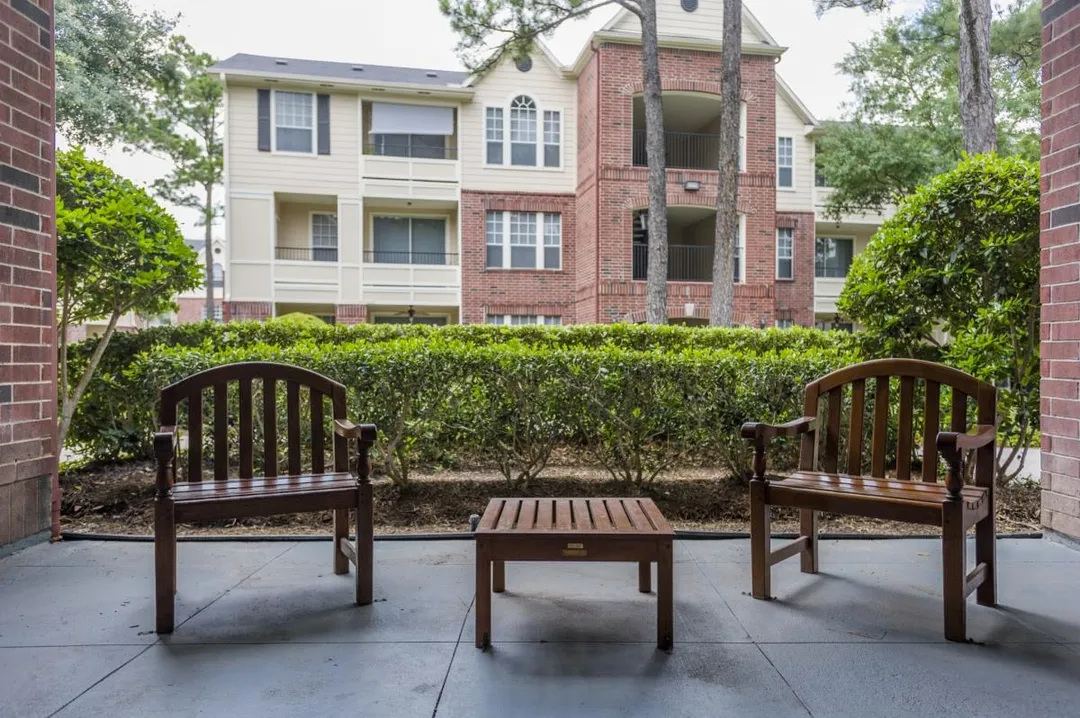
[1060, 268]
[241, 311]
[351, 314]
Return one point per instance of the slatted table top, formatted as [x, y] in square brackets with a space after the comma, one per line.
[612, 517]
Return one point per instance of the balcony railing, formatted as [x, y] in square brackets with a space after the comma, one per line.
[684, 150]
[428, 258]
[406, 148]
[686, 262]
[307, 254]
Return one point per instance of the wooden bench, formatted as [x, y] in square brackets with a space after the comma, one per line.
[574, 530]
[244, 494]
[832, 480]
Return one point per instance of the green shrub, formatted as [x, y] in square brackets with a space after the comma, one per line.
[299, 319]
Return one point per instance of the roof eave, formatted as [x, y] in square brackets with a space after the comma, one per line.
[793, 99]
[690, 43]
[449, 90]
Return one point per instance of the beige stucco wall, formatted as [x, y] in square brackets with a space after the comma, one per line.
[294, 222]
[705, 22]
[790, 124]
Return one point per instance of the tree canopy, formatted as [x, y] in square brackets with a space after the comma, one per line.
[955, 274]
[903, 124]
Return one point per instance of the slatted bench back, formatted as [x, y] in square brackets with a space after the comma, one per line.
[915, 377]
[272, 376]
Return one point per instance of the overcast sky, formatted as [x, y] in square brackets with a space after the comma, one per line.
[414, 33]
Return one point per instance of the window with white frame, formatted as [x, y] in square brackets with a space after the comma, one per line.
[217, 313]
[408, 240]
[738, 260]
[785, 162]
[785, 323]
[513, 240]
[534, 136]
[493, 128]
[832, 257]
[785, 253]
[324, 237]
[523, 319]
[294, 122]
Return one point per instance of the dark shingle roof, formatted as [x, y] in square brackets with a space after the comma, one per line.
[339, 70]
[196, 244]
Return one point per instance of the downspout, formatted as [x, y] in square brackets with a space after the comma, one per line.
[596, 181]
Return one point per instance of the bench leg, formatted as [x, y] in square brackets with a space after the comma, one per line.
[483, 597]
[341, 531]
[808, 527]
[365, 547]
[954, 570]
[165, 564]
[665, 598]
[498, 576]
[644, 577]
[986, 552]
[759, 541]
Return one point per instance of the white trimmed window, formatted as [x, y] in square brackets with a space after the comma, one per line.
[294, 122]
[324, 237]
[785, 162]
[738, 258]
[833, 256]
[517, 320]
[513, 240]
[784, 323]
[217, 313]
[785, 253]
[408, 240]
[534, 136]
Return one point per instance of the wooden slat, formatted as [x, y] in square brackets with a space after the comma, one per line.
[652, 511]
[580, 511]
[878, 488]
[637, 516]
[341, 444]
[562, 515]
[904, 429]
[260, 486]
[270, 462]
[881, 427]
[600, 517]
[618, 515]
[318, 434]
[221, 431]
[491, 515]
[855, 433]
[195, 436]
[247, 454]
[545, 515]
[959, 411]
[975, 578]
[832, 431]
[527, 515]
[932, 414]
[509, 514]
[292, 401]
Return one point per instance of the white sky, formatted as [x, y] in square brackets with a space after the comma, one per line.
[414, 33]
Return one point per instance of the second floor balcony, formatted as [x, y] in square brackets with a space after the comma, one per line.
[691, 132]
[410, 151]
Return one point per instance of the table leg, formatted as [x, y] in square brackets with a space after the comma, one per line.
[498, 576]
[483, 597]
[665, 603]
[644, 577]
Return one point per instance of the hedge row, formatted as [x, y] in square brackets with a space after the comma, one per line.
[113, 418]
[438, 401]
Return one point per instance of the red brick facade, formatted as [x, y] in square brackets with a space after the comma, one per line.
[190, 309]
[350, 314]
[238, 311]
[27, 270]
[1061, 266]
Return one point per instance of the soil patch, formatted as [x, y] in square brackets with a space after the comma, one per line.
[119, 499]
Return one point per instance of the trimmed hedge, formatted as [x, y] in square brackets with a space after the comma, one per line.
[114, 419]
[442, 401]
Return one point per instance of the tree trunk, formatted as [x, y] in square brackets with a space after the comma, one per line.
[727, 221]
[656, 286]
[69, 403]
[208, 220]
[976, 92]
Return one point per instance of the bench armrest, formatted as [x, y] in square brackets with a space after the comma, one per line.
[952, 445]
[365, 435]
[761, 434]
[166, 442]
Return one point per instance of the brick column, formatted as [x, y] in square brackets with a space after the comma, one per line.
[27, 270]
[1061, 267]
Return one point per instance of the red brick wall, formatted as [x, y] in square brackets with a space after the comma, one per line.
[27, 269]
[1061, 266]
[514, 291]
[611, 189]
[797, 295]
[190, 309]
[237, 311]
[349, 314]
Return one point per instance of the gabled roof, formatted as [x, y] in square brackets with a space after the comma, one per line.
[788, 94]
[545, 53]
[260, 65]
[749, 19]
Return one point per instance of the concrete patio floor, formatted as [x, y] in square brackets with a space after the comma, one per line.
[266, 629]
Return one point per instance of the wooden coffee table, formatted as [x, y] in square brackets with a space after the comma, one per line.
[574, 530]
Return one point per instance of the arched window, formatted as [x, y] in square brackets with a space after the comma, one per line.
[523, 131]
[219, 275]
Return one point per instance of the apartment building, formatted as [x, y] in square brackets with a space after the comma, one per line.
[368, 193]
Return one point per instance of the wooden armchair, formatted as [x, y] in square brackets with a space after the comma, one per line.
[836, 482]
[297, 491]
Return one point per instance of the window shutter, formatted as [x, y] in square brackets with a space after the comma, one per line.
[324, 124]
[264, 120]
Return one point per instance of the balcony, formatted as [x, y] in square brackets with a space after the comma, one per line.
[682, 150]
[427, 258]
[410, 151]
[691, 131]
[686, 263]
[306, 254]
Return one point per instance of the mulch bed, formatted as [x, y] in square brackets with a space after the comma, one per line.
[119, 499]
